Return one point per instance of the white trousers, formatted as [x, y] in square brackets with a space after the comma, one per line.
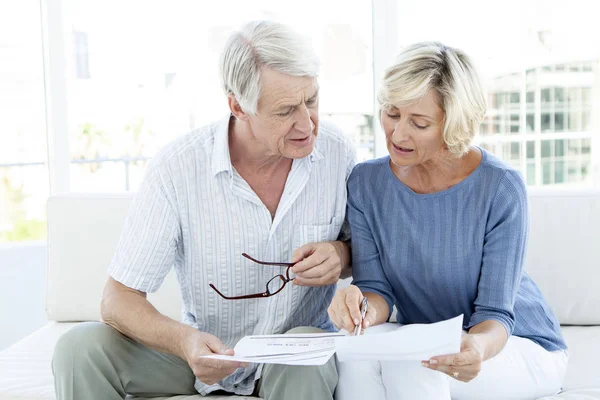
[523, 370]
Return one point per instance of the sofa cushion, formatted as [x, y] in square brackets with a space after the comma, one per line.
[564, 254]
[581, 394]
[26, 372]
[584, 351]
[194, 397]
[83, 231]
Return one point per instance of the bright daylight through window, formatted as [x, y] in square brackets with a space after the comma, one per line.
[133, 85]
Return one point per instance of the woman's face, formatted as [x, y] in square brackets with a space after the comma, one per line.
[414, 133]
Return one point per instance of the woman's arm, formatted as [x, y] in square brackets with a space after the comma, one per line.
[503, 256]
[493, 321]
[491, 337]
[367, 270]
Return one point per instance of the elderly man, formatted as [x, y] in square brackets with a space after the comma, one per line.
[270, 181]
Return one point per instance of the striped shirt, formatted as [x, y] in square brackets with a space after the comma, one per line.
[195, 213]
[457, 251]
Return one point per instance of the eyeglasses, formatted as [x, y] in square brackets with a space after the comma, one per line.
[274, 286]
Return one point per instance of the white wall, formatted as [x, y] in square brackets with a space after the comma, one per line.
[22, 290]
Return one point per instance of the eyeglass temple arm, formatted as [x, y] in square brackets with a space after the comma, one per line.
[281, 264]
[248, 296]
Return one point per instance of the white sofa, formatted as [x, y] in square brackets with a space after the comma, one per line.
[563, 258]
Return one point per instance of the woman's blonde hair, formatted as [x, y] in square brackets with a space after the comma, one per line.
[450, 72]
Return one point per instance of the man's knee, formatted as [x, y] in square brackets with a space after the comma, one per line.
[83, 343]
[305, 329]
[289, 381]
[328, 370]
[279, 379]
[325, 375]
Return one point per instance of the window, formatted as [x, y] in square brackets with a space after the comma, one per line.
[575, 120]
[530, 123]
[586, 121]
[559, 122]
[586, 95]
[530, 174]
[559, 161]
[546, 95]
[82, 67]
[530, 150]
[586, 145]
[559, 148]
[546, 122]
[574, 96]
[131, 87]
[530, 97]
[573, 147]
[515, 150]
[168, 83]
[559, 171]
[500, 100]
[547, 172]
[514, 124]
[547, 146]
[23, 171]
[559, 95]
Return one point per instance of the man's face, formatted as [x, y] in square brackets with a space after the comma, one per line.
[287, 120]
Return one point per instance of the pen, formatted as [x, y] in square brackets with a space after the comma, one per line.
[363, 311]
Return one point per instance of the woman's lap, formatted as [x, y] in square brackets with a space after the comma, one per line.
[522, 370]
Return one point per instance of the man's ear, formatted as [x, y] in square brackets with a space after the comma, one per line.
[235, 108]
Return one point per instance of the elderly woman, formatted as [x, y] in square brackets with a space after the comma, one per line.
[439, 228]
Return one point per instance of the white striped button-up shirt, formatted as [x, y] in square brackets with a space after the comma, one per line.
[195, 213]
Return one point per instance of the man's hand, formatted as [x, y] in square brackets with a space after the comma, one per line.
[207, 370]
[320, 264]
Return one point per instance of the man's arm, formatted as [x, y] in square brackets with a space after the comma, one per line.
[128, 311]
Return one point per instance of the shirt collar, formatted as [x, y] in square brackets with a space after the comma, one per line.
[221, 160]
[315, 155]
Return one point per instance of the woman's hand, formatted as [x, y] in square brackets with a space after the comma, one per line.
[463, 366]
[344, 310]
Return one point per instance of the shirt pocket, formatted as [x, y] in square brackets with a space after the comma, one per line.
[304, 234]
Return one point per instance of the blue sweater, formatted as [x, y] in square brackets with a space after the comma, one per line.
[458, 251]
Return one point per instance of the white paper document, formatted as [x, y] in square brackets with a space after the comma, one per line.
[409, 342]
[294, 349]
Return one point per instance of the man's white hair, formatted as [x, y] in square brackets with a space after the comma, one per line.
[263, 44]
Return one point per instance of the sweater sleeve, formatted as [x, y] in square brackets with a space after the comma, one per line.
[503, 254]
[367, 270]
